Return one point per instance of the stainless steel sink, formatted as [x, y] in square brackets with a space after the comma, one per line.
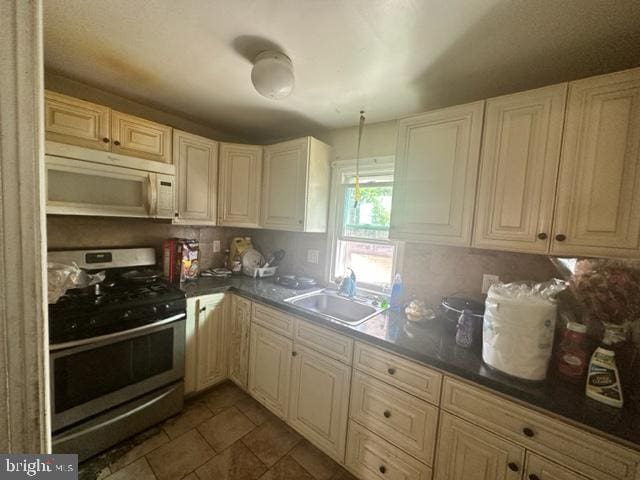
[331, 305]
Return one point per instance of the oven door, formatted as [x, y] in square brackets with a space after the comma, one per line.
[92, 375]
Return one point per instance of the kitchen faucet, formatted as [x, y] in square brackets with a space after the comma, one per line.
[348, 284]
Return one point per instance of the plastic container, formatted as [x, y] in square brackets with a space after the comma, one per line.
[603, 381]
[572, 357]
[397, 292]
[518, 329]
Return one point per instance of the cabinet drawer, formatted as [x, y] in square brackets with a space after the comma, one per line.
[543, 469]
[567, 445]
[324, 341]
[369, 456]
[409, 376]
[273, 319]
[404, 420]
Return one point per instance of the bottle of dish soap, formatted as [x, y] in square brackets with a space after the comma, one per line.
[396, 294]
[603, 379]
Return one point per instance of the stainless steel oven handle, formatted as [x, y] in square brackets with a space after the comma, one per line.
[111, 336]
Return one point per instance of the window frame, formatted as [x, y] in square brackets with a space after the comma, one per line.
[341, 171]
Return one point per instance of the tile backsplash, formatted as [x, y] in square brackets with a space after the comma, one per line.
[429, 272]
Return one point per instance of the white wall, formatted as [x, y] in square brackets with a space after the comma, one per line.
[378, 139]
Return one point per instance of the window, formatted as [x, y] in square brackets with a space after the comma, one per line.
[360, 239]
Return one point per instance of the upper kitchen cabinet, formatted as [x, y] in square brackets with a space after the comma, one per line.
[436, 174]
[76, 122]
[518, 173]
[69, 120]
[598, 196]
[239, 185]
[197, 170]
[140, 138]
[295, 186]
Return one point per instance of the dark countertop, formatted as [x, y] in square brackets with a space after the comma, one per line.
[433, 343]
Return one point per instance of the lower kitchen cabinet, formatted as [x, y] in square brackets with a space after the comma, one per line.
[467, 452]
[369, 456]
[211, 346]
[319, 400]
[239, 325]
[270, 369]
[539, 468]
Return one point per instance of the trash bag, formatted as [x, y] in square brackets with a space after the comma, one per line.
[62, 277]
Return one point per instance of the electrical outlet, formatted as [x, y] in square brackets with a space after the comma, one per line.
[488, 280]
[313, 256]
[216, 246]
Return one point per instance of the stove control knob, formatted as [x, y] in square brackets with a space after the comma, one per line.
[74, 326]
[126, 315]
[164, 308]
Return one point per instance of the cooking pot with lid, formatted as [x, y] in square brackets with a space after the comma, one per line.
[453, 306]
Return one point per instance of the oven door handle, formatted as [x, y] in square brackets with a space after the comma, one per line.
[111, 336]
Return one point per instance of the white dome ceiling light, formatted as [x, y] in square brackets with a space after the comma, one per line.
[272, 75]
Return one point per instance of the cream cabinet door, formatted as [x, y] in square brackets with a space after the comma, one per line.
[140, 138]
[467, 452]
[239, 185]
[436, 174]
[598, 196]
[519, 167]
[238, 340]
[539, 468]
[319, 400]
[284, 181]
[197, 171]
[69, 120]
[270, 369]
[211, 340]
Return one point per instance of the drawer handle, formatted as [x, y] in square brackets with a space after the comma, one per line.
[391, 371]
[528, 432]
[383, 469]
[386, 413]
[533, 476]
[513, 466]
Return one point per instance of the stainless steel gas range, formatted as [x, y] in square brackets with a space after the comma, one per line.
[116, 351]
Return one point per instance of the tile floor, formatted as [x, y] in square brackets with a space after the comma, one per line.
[223, 434]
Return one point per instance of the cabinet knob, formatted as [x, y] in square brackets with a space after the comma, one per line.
[391, 371]
[105, 140]
[513, 466]
[382, 469]
[386, 413]
[528, 432]
[116, 143]
[533, 476]
[294, 353]
[543, 236]
[560, 237]
[203, 309]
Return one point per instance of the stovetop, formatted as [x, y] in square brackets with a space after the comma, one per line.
[115, 305]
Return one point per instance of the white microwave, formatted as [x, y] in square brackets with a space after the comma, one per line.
[86, 187]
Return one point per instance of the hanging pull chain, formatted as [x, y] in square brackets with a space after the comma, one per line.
[360, 130]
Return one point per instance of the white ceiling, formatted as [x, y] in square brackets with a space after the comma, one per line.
[388, 57]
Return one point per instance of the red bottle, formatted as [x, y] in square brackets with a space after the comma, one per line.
[572, 355]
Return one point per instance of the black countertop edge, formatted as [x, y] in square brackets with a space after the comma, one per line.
[433, 344]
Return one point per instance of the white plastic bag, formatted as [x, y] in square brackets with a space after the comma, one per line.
[518, 328]
[62, 277]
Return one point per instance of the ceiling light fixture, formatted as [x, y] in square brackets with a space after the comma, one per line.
[272, 75]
